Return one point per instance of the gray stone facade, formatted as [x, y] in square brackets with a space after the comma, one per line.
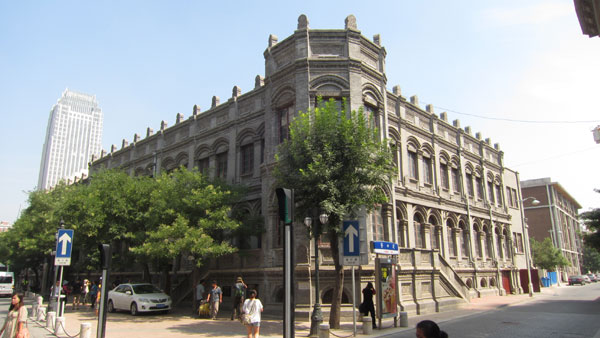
[459, 233]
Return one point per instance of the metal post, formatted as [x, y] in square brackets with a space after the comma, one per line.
[289, 308]
[59, 305]
[103, 300]
[353, 303]
[317, 316]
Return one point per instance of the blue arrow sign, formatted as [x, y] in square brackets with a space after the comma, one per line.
[64, 244]
[351, 238]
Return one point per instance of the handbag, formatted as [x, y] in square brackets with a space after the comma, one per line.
[246, 318]
[362, 308]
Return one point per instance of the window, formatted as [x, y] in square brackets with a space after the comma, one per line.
[371, 114]
[413, 166]
[419, 231]
[377, 225]
[464, 240]
[203, 165]
[491, 192]
[509, 197]
[451, 239]
[455, 180]
[478, 250]
[479, 184]
[221, 171]
[444, 176]
[427, 174]
[285, 116]
[498, 195]
[247, 153]
[469, 179]
[262, 150]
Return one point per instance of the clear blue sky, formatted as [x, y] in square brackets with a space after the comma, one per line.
[146, 61]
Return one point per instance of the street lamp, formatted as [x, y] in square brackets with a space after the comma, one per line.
[317, 316]
[534, 201]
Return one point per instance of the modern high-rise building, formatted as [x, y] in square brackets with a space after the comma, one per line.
[74, 134]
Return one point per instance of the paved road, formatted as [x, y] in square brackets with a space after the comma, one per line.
[572, 311]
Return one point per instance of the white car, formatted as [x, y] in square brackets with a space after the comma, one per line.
[137, 298]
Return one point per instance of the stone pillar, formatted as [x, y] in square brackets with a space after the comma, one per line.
[482, 244]
[426, 235]
[457, 240]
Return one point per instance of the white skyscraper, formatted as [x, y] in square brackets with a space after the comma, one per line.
[74, 134]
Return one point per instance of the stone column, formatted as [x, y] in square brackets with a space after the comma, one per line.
[482, 245]
[457, 234]
[426, 235]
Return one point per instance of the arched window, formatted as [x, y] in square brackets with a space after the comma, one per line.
[401, 228]
[487, 243]
[498, 243]
[435, 233]
[478, 250]
[464, 239]
[507, 252]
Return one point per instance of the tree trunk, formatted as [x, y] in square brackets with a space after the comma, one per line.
[336, 299]
[147, 276]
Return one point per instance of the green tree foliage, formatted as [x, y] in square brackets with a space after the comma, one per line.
[546, 256]
[592, 221]
[147, 220]
[591, 260]
[336, 163]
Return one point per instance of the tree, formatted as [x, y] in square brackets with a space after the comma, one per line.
[592, 221]
[591, 259]
[336, 163]
[546, 256]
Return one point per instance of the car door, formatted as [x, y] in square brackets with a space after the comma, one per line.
[117, 296]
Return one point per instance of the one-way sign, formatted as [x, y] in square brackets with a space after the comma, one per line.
[64, 244]
[351, 243]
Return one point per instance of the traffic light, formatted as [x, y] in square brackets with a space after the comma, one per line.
[286, 201]
[105, 256]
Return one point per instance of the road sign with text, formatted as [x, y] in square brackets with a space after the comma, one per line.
[64, 246]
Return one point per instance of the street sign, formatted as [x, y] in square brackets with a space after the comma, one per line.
[385, 248]
[64, 244]
[351, 243]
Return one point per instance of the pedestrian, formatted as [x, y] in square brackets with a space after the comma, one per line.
[429, 329]
[93, 294]
[215, 298]
[85, 290]
[14, 325]
[199, 295]
[252, 308]
[239, 293]
[368, 305]
[76, 292]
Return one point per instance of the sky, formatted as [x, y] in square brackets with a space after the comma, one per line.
[484, 62]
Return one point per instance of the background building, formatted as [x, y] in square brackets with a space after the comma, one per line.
[588, 14]
[5, 226]
[555, 217]
[450, 204]
[73, 135]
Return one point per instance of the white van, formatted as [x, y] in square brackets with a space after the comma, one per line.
[7, 283]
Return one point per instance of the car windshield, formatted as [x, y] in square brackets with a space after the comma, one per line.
[145, 288]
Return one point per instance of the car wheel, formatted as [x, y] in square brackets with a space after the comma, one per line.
[134, 309]
[110, 306]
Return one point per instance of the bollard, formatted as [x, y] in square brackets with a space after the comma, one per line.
[39, 300]
[403, 319]
[324, 330]
[367, 325]
[50, 318]
[40, 313]
[59, 326]
[34, 309]
[85, 330]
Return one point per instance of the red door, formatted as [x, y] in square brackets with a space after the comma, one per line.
[506, 281]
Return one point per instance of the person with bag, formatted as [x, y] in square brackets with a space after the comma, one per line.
[239, 293]
[251, 314]
[367, 304]
[14, 325]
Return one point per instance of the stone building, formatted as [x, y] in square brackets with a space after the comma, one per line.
[555, 217]
[453, 208]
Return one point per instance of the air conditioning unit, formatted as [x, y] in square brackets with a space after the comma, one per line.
[596, 132]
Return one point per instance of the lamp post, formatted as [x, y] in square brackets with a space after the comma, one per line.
[317, 316]
[534, 201]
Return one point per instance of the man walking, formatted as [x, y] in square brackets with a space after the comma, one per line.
[239, 293]
[215, 297]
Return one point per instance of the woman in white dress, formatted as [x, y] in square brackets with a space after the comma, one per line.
[16, 318]
[253, 307]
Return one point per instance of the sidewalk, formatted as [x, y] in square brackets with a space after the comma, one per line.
[180, 323]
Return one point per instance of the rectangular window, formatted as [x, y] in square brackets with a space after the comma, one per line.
[455, 180]
[285, 116]
[469, 179]
[247, 153]
[444, 176]
[509, 197]
[203, 165]
[498, 195]
[427, 174]
[221, 171]
[479, 184]
[491, 192]
[413, 166]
